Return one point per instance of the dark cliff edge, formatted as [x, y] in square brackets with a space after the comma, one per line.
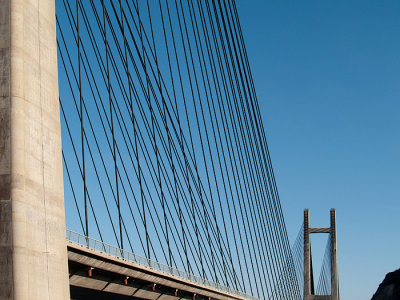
[389, 289]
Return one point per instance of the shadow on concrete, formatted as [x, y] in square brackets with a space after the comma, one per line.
[78, 293]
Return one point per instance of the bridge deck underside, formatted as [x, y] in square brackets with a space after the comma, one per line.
[113, 275]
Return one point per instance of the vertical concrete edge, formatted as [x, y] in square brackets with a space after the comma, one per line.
[33, 252]
[307, 259]
[334, 269]
[6, 270]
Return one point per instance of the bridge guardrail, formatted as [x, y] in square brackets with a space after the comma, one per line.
[94, 244]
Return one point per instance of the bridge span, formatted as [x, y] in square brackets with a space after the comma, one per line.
[96, 267]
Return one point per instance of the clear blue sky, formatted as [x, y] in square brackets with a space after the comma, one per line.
[327, 74]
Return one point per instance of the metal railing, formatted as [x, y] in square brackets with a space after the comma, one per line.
[93, 244]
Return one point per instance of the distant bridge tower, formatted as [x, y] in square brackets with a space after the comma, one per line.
[308, 276]
[33, 252]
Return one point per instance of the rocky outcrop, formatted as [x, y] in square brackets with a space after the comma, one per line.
[389, 289]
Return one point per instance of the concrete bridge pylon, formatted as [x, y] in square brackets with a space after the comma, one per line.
[33, 252]
[308, 278]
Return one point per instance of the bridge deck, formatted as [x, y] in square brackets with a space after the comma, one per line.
[97, 266]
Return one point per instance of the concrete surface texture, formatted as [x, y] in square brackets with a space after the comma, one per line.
[33, 252]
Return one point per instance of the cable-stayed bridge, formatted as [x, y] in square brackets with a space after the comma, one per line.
[141, 119]
[327, 285]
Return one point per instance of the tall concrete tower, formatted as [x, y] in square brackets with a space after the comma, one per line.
[308, 279]
[33, 253]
